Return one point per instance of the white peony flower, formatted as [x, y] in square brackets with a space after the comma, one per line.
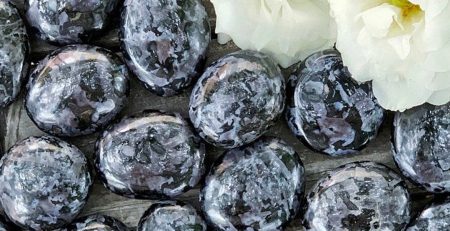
[289, 30]
[402, 46]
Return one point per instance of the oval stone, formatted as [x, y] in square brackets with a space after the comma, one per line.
[77, 90]
[358, 196]
[13, 52]
[259, 187]
[164, 42]
[327, 109]
[150, 155]
[422, 146]
[96, 223]
[171, 216]
[237, 99]
[435, 217]
[69, 21]
[44, 183]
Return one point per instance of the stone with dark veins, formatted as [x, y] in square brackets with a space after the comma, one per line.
[69, 21]
[150, 155]
[96, 223]
[422, 146]
[14, 50]
[358, 196]
[164, 42]
[171, 216]
[77, 90]
[44, 183]
[258, 187]
[237, 99]
[327, 109]
[435, 217]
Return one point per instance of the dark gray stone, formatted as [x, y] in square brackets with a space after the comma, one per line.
[96, 223]
[164, 42]
[237, 99]
[435, 217]
[327, 109]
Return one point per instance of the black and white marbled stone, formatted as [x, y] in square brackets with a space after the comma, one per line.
[69, 21]
[327, 109]
[237, 99]
[435, 217]
[258, 187]
[77, 90]
[358, 196]
[164, 42]
[14, 50]
[96, 223]
[171, 216]
[44, 183]
[149, 155]
[422, 146]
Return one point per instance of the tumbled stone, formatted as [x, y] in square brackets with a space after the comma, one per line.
[69, 21]
[44, 183]
[435, 217]
[149, 155]
[77, 90]
[259, 187]
[171, 216]
[422, 146]
[358, 196]
[327, 109]
[13, 52]
[96, 223]
[237, 99]
[164, 42]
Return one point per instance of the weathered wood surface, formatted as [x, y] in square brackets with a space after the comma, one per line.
[15, 125]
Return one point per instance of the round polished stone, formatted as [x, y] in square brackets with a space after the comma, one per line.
[96, 223]
[435, 217]
[69, 21]
[422, 146]
[171, 216]
[77, 90]
[149, 155]
[358, 196]
[13, 52]
[237, 99]
[164, 42]
[327, 109]
[44, 183]
[259, 187]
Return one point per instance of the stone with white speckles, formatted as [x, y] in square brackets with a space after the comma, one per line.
[44, 183]
[69, 21]
[171, 216]
[237, 99]
[150, 155]
[435, 217]
[77, 90]
[258, 187]
[14, 49]
[358, 196]
[328, 110]
[96, 223]
[164, 42]
[422, 146]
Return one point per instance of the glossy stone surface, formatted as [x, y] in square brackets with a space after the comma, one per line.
[171, 216]
[164, 42]
[69, 21]
[327, 109]
[435, 217]
[149, 155]
[77, 90]
[13, 52]
[237, 99]
[422, 146]
[44, 183]
[358, 196]
[96, 223]
[259, 187]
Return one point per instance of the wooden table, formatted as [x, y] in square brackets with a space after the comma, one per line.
[15, 125]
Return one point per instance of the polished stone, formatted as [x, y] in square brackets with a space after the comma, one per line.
[96, 223]
[434, 217]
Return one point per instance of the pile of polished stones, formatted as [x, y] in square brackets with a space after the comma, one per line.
[257, 184]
